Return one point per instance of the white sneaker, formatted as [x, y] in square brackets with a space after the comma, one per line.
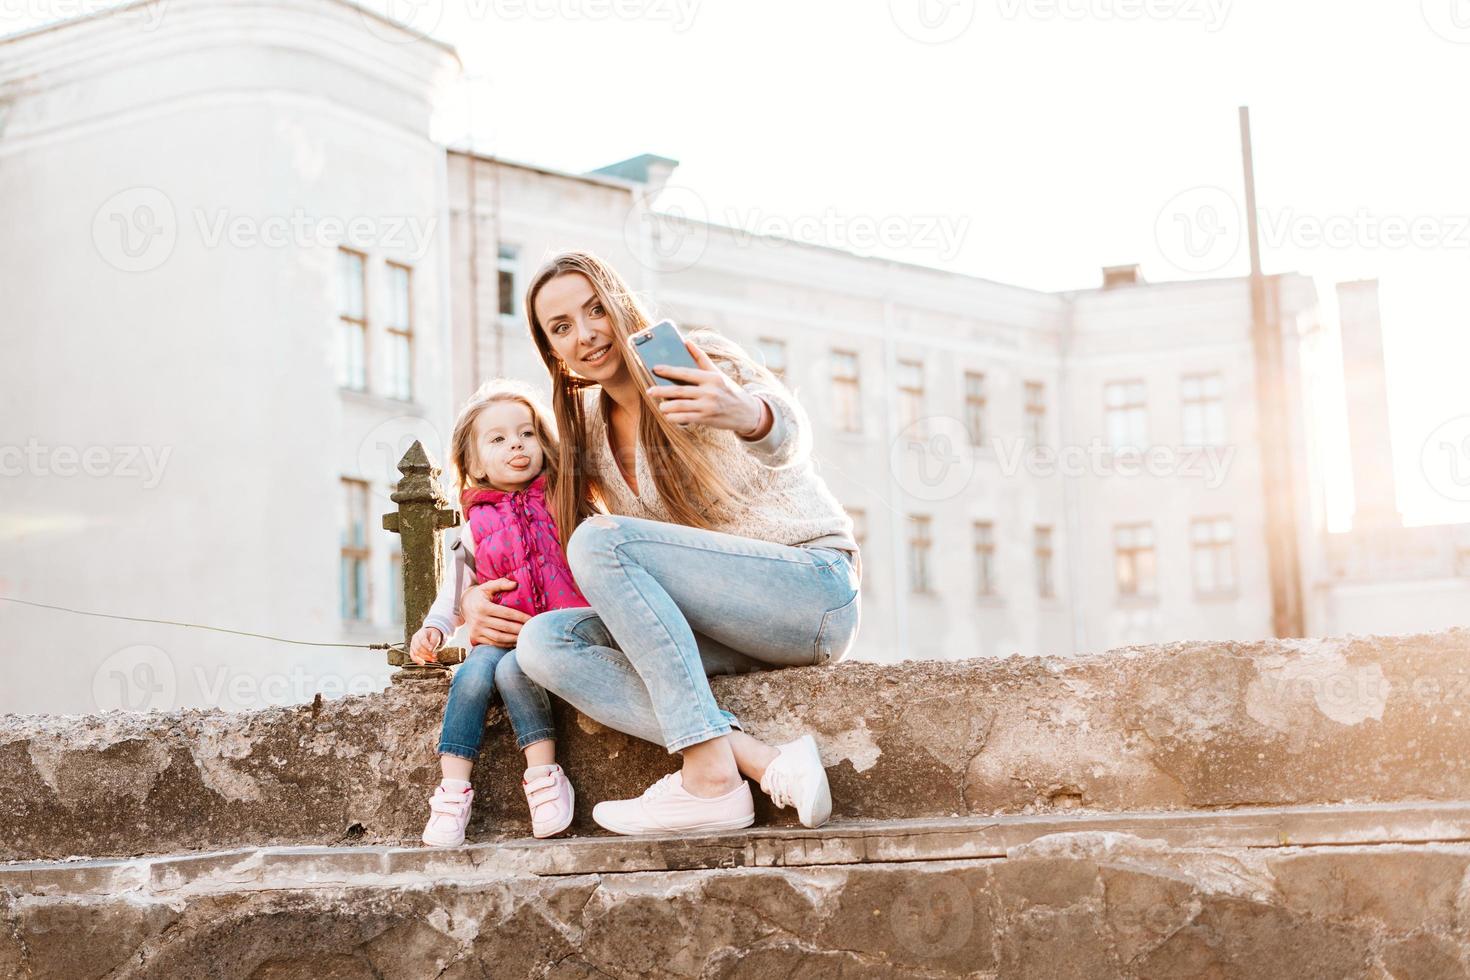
[449, 812]
[550, 798]
[667, 807]
[796, 777]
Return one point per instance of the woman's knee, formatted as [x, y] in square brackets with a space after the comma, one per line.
[535, 655]
[591, 541]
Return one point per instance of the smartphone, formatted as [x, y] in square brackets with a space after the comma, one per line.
[662, 344]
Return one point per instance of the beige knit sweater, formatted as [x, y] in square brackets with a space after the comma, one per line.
[788, 502]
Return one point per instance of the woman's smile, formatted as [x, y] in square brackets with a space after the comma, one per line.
[598, 355]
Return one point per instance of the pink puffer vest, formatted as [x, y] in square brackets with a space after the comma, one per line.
[516, 538]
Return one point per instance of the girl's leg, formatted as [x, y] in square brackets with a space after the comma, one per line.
[530, 712]
[464, 713]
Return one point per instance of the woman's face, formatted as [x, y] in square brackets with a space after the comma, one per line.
[579, 329]
[507, 454]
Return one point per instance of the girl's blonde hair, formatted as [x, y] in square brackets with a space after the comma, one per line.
[462, 441]
[688, 484]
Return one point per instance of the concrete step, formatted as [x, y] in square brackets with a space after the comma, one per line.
[1182, 727]
[838, 843]
[1294, 893]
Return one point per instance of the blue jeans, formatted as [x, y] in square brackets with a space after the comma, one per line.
[673, 605]
[484, 671]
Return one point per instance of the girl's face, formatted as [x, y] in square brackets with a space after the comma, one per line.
[507, 454]
[579, 330]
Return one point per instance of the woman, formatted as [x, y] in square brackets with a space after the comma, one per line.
[722, 552]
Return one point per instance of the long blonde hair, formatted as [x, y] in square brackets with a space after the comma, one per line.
[687, 483]
[462, 441]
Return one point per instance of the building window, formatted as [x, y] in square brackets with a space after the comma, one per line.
[1203, 398]
[1045, 586]
[1213, 542]
[975, 407]
[847, 403]
[400, 332]
[507, 282]
[984, 558]
[1135, 566]
[920, 580]
[910, 393]
[1035, 414]
[1125, 408]
[351, 320]
[355, 552]
[773, 353]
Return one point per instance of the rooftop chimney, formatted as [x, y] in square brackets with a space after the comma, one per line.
[1121, 275]
[1367, 405]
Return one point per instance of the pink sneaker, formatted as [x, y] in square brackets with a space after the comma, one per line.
[449, 811]
[551, 799]
[667, 807]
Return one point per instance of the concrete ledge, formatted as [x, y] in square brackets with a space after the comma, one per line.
[1092, 904]
[1177, 727]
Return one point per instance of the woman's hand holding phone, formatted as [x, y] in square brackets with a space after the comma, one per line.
[708, 396]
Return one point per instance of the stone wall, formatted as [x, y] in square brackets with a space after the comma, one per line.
[1182, 726]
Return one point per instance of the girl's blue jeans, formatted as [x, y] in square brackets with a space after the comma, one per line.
[672, 605]
[486, 670]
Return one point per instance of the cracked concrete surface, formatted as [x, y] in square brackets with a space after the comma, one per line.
[1174, 727]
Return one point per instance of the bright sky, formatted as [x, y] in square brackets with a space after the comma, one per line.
[1033, 141]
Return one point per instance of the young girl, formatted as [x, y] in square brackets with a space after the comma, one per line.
[504, 454]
